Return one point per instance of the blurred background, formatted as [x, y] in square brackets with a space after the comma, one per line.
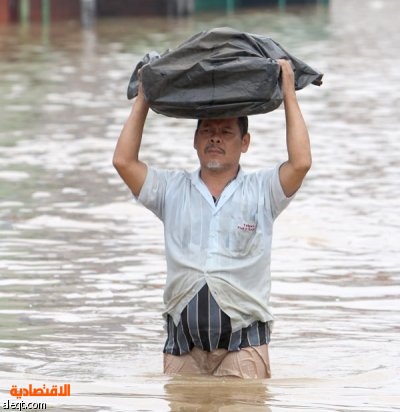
[82, 265]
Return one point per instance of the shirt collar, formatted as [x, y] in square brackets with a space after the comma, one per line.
[203, 189]
[196, 179]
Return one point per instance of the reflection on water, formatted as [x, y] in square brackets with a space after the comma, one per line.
[82, 266]
[217, 395]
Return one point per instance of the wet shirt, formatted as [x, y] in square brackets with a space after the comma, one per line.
[225, 244]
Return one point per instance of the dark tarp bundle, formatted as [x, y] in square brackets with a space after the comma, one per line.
[218, 73]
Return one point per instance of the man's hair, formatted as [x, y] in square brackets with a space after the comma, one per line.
[243, 123]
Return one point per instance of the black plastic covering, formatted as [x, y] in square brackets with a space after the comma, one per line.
[219, 73]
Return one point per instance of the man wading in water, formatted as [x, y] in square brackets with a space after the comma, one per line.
[218, 232]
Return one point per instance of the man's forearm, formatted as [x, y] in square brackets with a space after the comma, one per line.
[126, 155]
[128, 146]
[297, 139]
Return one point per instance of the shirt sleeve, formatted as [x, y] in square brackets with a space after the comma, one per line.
[278, 200]
[152, 194]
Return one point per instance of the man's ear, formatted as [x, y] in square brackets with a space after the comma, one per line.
[245, 142]
[195, 140]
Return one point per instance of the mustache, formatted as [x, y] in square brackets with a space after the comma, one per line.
[213, 147]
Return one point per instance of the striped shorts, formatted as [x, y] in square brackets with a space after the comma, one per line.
[205, 326]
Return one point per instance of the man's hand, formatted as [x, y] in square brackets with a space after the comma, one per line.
[140, 86]
[287, 77]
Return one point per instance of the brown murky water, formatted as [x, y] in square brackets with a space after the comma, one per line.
[82, 266]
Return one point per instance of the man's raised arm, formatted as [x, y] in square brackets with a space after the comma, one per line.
[292, 172]
[126, 155]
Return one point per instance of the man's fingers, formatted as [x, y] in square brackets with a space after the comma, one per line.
[286, 66]
[284, 63]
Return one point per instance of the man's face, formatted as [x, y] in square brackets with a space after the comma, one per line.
[219, 144]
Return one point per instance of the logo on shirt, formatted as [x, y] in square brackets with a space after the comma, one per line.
[247, 227]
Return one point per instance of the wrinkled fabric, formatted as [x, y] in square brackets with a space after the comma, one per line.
[219, 73]
[247, 363]
[218, 243]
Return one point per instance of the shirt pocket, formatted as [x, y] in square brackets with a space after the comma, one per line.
[245, 239]
[242, 235]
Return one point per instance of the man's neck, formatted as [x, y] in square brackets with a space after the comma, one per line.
[217, 180]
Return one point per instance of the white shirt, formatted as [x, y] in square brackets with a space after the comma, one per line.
[227, 244]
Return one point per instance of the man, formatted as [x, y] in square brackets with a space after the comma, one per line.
[218, 231]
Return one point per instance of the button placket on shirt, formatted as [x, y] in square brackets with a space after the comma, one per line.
[215, 211]
[212, 241]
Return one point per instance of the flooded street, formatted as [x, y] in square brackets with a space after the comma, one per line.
[82, 266]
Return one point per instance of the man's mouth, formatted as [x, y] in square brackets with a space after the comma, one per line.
[213, 149]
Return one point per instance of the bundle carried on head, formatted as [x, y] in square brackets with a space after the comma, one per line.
[218, 73]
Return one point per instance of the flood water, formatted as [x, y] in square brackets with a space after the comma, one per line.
[82, 265]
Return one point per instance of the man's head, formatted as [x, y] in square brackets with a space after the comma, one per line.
[220, 142]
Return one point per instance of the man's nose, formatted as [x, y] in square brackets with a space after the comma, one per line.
[215, 137]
